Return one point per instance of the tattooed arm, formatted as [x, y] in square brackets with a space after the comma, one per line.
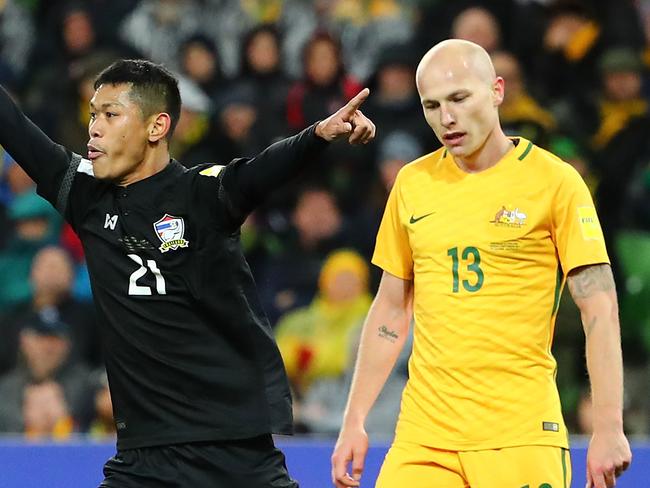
[382, 340]
[592, 288]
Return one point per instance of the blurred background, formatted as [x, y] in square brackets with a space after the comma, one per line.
[254, 71]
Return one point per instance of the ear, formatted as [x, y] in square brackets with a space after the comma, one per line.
[498, 91]
[159, 126]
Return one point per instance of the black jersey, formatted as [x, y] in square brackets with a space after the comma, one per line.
[189, 353]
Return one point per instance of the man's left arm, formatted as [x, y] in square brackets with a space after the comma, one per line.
[593, 290]
[249, 182]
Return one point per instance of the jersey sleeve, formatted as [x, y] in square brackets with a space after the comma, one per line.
[212, 191]
[576, 229]
[392, 249]
[247, 182]
[49, 164]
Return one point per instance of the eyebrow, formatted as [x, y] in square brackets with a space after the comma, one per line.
[462, 91]
[106, 105]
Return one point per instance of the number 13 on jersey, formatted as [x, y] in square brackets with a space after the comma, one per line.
[470, 259]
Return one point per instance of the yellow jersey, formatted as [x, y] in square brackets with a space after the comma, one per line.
[488, 253]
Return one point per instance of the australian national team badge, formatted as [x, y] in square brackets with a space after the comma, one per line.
[170, 231]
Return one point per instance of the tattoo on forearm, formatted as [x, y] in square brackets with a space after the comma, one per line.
[387, 334]
[586, 281]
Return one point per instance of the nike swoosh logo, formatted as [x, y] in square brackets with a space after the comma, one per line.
[415, 219]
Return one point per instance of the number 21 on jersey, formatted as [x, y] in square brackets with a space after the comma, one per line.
[141, 290]
[470, 259]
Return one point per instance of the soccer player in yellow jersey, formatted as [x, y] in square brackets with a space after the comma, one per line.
[476, 243]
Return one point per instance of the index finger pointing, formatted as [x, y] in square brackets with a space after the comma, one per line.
[356, 102]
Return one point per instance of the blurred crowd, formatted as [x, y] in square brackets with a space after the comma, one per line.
[254, 71]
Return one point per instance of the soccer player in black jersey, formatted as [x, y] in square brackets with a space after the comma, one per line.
[197, 382]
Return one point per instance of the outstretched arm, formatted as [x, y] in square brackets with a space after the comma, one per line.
[254, 179]
[593, 290]
[44, 161]
[382, 340]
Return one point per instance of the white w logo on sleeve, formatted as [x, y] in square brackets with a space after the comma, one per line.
[111, 221]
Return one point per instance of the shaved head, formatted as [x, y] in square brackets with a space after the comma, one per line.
[460, 95]
[455, 57]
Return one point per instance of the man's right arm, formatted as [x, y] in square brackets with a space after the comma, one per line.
[46, 162]
[382, 340]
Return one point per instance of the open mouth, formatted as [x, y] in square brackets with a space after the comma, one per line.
[94, 152]
[454, 138]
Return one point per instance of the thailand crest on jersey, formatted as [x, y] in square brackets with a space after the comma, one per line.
[170, 231]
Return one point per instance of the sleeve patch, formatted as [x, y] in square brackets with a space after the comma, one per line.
[212, 170]
[589, 224]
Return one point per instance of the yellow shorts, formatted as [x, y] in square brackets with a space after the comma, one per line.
[414, 466]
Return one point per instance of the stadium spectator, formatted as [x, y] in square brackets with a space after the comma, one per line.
[61, 59]
[332, 322]
[317, 228]
[364, 28]
[478, 25]
[395, 103]
[16, 181]
[51, 279]
[322, 408]
[45, 392]
[156, 28]
[235, 124]
[262, 71]
[324, 83]
[45, 411]
[226, 22]
[520, 113]
[35, 225]
[103, 423]
[315, 340]
[565, 67]
[621, 100]
[200, 62]
[193, 142]
[13, 181]
[16, 36]
[621, 146]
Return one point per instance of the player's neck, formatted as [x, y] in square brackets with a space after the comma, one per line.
[155, 160]
[490, 153]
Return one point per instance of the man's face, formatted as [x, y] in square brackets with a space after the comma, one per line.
[44, 354]
[322, 63]
[199, 63]
[507, 67]
[119, 134]
[51, 272]
[460, 106]
[263, 53]
[623, 85]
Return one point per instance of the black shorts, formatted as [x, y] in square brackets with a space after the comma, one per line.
[246, 463]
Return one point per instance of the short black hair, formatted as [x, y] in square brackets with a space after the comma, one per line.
[153, 87]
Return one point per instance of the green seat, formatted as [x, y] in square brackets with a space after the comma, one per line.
[633, 252]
